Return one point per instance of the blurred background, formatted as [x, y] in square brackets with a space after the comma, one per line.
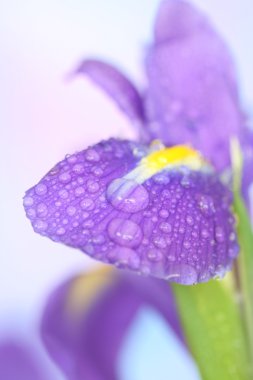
[44, 115]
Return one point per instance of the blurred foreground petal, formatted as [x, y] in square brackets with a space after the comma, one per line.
[87, 319]
[19, 362]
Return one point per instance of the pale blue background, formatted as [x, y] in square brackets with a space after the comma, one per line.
[43, 117]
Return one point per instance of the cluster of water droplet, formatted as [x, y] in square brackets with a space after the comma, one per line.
[176, 225]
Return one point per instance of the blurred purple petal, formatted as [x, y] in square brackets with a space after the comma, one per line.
[192, 94]
[178, 19]
[19, 362]
[175, 225]
[116, 84]
[86, 345]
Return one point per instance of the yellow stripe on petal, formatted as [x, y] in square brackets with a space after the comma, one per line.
[162, 158]
[85, 288]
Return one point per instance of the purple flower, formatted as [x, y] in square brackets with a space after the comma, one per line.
[87, 319]
[153, 210]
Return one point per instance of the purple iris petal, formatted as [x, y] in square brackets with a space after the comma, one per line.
[116, 85]
[192, 95]
[176, 225]
[18, 362]
[87, 345]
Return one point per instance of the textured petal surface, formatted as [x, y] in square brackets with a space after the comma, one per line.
[90, 341]
[18, 362]
[112, 81]
[192, 95]
[176, 225]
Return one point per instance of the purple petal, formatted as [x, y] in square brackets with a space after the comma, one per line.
[247, 178]
[90, 342]
[18, 362]
[176, 225]
[178, 19]
[192, 94]
[112, 81]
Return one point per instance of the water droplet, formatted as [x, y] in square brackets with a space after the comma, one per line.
[159, 242]
[181, 229]
[88, 223]
[92, 155]
[71, 210]
[187, 244]
[63, 194]
[41, 189]
[206, 205]
[233, 251]
[154, 255]
[189, 220]
[65, 177]
[125, 232]
[87, 204]
[219, 234]
[78, 168]
[99, 239]
[31, 213]
[60, 231]
[79, 191]
[42, 209]
[182, 273]
[124, 257]
[97, 171]
[161, 179]
[28, 201]
[127, 195]
[40, 225]
[71, 159]
[92, 187]
[204, 233]
[185, 181]
[164, 214]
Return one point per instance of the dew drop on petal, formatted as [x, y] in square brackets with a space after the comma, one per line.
[40, 225]
[127, 195]
[125, 232]
[87, 204]
[154, 255]
[65, 177]
[92, 155]
[182, 273]
[41, 189]
[71, 210]
[165, 227]
[92, 186]
[28, 201]
[219, 234]
[63, 194]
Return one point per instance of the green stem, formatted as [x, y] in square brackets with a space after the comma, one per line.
[245, 261]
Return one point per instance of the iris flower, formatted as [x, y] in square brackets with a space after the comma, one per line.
[79, 316]
[156, 206]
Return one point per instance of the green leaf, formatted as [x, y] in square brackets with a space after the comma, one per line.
[245, 238]
[213, 329]
[245, 260]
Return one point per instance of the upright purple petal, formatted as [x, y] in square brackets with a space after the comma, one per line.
[175, 225]
[90, 341]
[115, 84]
[192, 94]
